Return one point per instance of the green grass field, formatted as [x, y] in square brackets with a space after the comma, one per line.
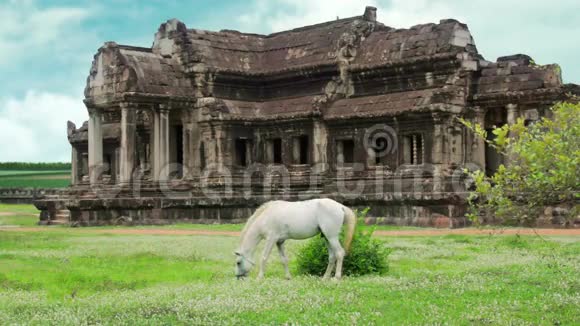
[34, 179]
[21, 215]
[70, 276]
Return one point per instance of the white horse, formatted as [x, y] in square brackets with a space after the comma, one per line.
[278, 221]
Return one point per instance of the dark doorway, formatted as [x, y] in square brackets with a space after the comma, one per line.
[345, 151]
[493, 159]
[276, 150]
[241, 152]
[380, 147]
[301, 149]
[108, 165]
[348, 150]
[179, 149]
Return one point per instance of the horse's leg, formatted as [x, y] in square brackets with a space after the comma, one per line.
[331, 261]
[265, 255]
[283, 257]
[339, 252]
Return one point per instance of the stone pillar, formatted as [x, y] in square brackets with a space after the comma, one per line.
[190, 147]
[75, 166]
[437, 151]
[320, 143]
[512, 113]
[95, 145]
[155, 145]
[195, 148]
[512, 117]
[128, 131]
[478, 143]
[116, 165]
[161, 143]
[438, 155]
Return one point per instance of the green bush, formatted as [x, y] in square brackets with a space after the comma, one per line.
[41, 166]
[367, 255]
[543, 169]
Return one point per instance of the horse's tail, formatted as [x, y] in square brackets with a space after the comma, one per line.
[350, 221]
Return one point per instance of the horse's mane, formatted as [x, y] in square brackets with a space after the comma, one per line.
[253, 218]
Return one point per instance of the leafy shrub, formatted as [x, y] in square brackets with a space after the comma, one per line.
[367, 255]
[42, 166]
[543, 169]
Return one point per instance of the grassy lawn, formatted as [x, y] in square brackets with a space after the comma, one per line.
[18, 208]
[239, 227]
[34, 179]
[69, 277]
[21, 215]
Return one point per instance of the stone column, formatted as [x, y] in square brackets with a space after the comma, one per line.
[188, 144]
[437, 152]
[161, 143]
[439, 157]
[478, 144]
[195, 147]
[128, 130]
[512, 113]
[75, 165]
[320, 143]
[512, 117]
[155, 145]
[95, 145]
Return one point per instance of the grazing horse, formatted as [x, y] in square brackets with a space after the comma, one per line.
[278, 221]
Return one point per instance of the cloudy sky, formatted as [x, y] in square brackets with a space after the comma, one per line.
[46, 46]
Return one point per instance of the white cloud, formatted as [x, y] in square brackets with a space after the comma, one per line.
[34, 128]
[26, 29]
[273, 16]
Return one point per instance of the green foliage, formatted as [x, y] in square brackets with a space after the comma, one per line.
[367, 255]
[543, 169]
[43, 166]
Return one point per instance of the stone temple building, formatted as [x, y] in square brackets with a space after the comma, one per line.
[205, 126]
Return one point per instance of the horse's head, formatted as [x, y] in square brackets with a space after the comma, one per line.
[243, 265]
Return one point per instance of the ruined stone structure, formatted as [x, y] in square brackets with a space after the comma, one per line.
[205, 126]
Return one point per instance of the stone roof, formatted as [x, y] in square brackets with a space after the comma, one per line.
[420, 41]
[357, 107]
[404, 69]
[121, 69]
[313, 45]
[235, 51]
[381, 105]
[517, 73]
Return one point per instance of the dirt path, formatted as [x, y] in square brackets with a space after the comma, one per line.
[17, 214]
[430, 232]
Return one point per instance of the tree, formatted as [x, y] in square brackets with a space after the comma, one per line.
[542, 169]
